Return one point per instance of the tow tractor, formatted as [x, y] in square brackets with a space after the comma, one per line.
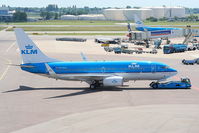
[185, 83]
[190, 62]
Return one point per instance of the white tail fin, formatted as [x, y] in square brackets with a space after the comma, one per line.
[30, 53]
[138, 21]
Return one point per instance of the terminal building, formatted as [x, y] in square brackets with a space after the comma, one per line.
[5, 14]
[128, 14]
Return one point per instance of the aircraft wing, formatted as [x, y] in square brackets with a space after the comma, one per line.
[89, 77]
[83, 77]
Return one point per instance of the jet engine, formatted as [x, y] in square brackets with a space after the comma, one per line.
[113, 81]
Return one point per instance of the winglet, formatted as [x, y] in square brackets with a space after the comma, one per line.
[84, 57]
[50, 70]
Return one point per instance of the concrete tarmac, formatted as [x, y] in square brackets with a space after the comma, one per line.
[31, 103]
[141, 119]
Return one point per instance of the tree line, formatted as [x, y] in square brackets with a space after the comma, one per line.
[52, 11]
[191, 17]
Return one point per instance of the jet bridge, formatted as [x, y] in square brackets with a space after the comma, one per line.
[147, 35]
[189, 34]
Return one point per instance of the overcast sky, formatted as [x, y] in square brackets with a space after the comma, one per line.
[100, 3]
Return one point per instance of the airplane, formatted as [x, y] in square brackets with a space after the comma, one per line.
[155, 32]
[95, 73]
[141, 27]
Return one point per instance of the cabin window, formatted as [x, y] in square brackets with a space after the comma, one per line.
[61, 68]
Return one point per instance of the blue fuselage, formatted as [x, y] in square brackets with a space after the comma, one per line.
[145, 28]
[99, 67]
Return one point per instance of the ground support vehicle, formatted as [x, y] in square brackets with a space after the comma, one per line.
[196, 45]
[185, 83]
[108, 49]
[174, 48]
[190, 62]
[117, 50]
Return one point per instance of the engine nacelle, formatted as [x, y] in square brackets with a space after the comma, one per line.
[113, 81]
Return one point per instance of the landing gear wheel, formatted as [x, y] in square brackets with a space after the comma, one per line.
[155, 86]
[183, 61]
[95, 84]
[92, 86]
[151, 84]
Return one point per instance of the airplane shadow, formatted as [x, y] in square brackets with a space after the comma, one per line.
[82, 91]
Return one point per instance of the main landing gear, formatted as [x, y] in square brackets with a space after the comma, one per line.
[95, 84]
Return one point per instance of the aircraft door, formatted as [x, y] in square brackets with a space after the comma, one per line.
[103, 69]
[153, 68]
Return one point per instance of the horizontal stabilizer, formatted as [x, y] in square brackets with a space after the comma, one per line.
[25, 66]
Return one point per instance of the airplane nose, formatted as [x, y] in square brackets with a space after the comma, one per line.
[173, 71]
